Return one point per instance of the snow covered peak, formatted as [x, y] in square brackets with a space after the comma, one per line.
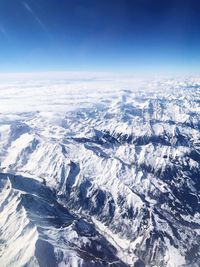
[121, 162]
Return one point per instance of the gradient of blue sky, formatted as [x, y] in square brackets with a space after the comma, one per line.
[99, 35]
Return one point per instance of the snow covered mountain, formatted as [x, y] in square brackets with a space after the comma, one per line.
[98, 173]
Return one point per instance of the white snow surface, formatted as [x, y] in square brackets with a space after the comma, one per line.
[103, 144]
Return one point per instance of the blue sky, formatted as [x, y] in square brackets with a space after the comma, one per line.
[100, 35]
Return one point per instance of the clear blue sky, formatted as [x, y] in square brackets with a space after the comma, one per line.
[99, 35]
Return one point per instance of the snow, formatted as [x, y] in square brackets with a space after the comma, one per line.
[103, 146]
[174, 258]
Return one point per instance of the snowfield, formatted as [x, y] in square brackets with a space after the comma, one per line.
[99, 170]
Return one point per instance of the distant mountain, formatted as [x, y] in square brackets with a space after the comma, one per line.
[113, 181]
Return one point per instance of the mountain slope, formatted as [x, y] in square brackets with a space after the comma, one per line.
[120, 173]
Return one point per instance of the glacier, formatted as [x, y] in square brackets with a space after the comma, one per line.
[100, 172]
